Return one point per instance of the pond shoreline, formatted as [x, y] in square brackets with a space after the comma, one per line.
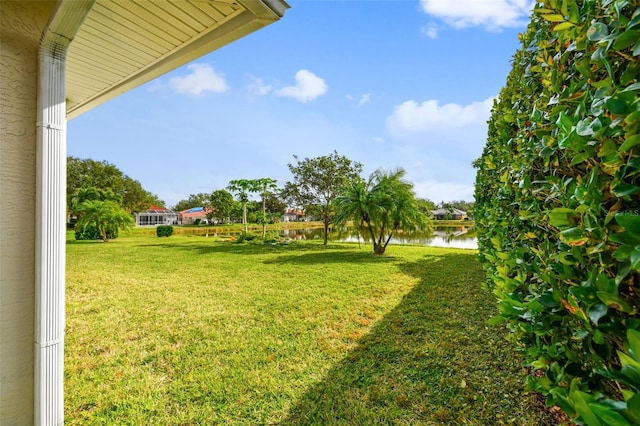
[445, 233]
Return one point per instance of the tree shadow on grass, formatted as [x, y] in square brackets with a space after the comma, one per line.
[246, 249]
[302, 254]
[432, 360]
[346, 255]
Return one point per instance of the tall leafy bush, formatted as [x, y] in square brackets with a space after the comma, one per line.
[558, 206]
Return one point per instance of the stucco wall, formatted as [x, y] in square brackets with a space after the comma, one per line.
[21, 24]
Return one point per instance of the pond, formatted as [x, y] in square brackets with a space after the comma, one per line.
[458, 236]
[442, 236]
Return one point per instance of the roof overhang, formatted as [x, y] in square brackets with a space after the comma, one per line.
[123, 44]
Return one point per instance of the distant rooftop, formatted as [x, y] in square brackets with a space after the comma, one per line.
[193, 210]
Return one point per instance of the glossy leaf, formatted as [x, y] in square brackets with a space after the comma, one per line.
[630, 142]
[630, 222]
[621, 103]
[597, 31]
[608, 415]
[580, 402]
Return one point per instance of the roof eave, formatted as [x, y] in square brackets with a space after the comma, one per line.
[258, 14]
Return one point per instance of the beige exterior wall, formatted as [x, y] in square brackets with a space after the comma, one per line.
[21, 25]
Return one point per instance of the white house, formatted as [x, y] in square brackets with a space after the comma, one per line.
[58, 59]
[155, 216]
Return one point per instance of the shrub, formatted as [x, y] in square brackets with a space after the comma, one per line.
[271, 237]
[246, 236]
[557, 206]
[164, 231]
[90, 232]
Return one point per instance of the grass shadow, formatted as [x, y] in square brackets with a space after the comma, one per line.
[432, 360]
[329, 256]
[304, 253]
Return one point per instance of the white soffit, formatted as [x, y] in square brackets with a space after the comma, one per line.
[125, 43]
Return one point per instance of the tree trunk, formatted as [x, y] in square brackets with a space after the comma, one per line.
[244, 217]
[378, 249]
[326, 232]
[264, 217]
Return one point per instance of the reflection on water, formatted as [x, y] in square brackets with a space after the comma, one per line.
[444, 236]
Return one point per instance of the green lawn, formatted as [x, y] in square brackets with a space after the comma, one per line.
[187, 330]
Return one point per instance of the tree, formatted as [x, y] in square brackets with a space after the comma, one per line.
[382, 206]
[94, 194]
[275, 205]
[318, 181]
[242, 187]
[466, 206]
[105, 176]
[265, 186]
[426, 206]
[107, 216]
[194, 200]
[221, 203]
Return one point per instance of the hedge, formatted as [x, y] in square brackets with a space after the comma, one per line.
[558, 207]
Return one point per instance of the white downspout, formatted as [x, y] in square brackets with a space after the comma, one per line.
[51, 183]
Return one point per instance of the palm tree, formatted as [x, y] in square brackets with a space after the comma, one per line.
[242, 187]
[266, 186]
[382, 206]
[106, 216]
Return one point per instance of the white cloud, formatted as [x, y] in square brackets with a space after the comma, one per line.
[307, 88]
[411, 117]
[430, 30]
[493, 15]
[203, 78]
[364, 99]
[258, 87]
[378, 140]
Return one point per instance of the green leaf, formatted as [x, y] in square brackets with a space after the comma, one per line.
[630, 222]
[627, 239]
[626, 39]
[581, 405]
[624, 190]
[561, 217]
[630, 370]
[564, 122]
[629, 143]
[608, 415]
[574, 236]
[574, 13]
[563, 26]
[635, 18]
[541, 10]
[633, 337]
[604, 283]
[621, 103]
[597, 31]
[615, 302]
[497, 320]
[552, 17]
[633, 408]
[580, 158]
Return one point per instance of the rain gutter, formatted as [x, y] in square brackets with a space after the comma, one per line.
[51, 182]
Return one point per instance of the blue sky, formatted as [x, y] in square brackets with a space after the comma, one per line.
[402, 83]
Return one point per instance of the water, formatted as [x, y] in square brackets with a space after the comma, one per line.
[445, 236]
